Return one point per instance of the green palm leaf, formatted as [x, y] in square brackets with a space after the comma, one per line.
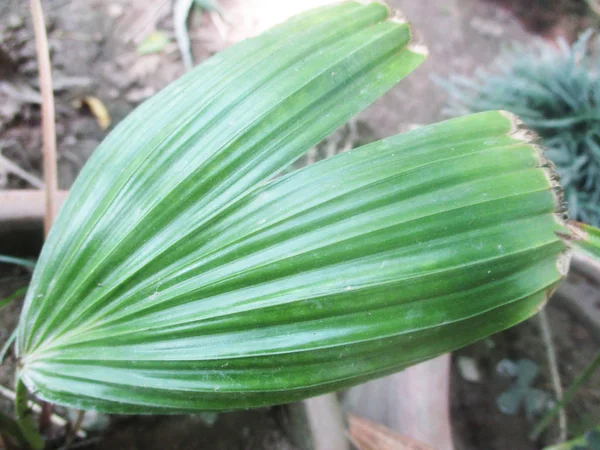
[181, 276]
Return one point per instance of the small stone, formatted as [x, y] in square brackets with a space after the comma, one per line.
[115, 10]
[468, 369]
[13, 22]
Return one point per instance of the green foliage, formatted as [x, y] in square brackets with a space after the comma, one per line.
[25, 418]
[522, 392]
[589, 441]
[26, 263]
[582, 378]
[555, 90]
[183, 275]
[10, 428]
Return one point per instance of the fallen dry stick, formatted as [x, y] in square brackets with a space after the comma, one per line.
[48, 114]
[25, 205]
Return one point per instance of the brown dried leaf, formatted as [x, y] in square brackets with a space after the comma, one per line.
[98, 110]
[367, 435]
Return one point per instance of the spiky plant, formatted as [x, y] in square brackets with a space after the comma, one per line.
[555, 89]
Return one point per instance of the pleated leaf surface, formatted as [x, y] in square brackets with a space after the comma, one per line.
[181, 276]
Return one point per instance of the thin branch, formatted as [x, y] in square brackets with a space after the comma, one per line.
[48, 113]
[556, 384]
[15, 169]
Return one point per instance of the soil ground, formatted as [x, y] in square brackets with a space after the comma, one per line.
[551, 18]
[478, 423]
[93, 45]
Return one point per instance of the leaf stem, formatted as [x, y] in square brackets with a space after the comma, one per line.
[25, 418]
[11, 427]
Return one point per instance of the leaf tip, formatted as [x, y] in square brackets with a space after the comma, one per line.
[419, 49]
[394, 14]
[397, 16]
[518, 130]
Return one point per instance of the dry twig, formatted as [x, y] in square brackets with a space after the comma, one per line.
[556, 384]
[48, 114]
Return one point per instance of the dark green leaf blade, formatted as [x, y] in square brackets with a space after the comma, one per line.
[349, 269]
